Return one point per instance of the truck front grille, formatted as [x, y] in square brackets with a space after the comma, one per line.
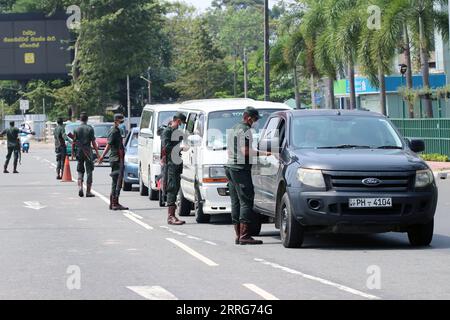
[353, 181]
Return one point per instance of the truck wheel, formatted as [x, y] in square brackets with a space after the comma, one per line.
[154, 195]
[162, 202]
[143, 190]
[292, 233]
[184, 205]
[200, 217]
[127, 186]
[421, 235]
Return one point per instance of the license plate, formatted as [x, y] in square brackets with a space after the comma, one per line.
[370, 203]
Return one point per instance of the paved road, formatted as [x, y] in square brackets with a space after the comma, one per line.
[50, 239]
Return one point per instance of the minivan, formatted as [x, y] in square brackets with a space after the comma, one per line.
[203, 181]
[149, 149]
[336, 171]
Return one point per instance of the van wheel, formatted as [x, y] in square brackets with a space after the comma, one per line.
[200, 217]
[162, 202]
[127, 186]
[154, 195]
[421, 235]
[143, 190]
[292, 233]
[184, 205]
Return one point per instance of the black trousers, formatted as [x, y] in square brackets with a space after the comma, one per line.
[11, 151]
[242, 195]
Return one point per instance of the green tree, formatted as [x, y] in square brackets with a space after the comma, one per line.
[201, 68]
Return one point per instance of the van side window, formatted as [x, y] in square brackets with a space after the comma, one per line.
[191, 123]
[271, 131]
[200, 129]
[146, 119]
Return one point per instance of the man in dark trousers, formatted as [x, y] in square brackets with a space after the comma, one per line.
[84, 139]
[239, 174]
[170, 140]
[116, 161]
[13, 144]
[60, 147]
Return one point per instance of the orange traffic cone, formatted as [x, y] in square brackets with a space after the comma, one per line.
[67, 176]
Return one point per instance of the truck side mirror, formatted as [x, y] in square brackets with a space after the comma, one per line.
[417, 146]
[194, 141]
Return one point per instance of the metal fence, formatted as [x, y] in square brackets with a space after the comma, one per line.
[435, 133]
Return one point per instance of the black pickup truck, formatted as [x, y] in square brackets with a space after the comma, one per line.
[343, 172]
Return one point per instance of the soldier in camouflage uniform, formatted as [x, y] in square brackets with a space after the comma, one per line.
[13, 144]
[116, 161]
[239, 174]
[60, 147]
[173, 164]
[84, 139]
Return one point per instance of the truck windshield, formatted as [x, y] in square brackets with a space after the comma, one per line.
[221, 121]
[344, 132]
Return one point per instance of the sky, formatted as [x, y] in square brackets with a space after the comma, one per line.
[203, 4]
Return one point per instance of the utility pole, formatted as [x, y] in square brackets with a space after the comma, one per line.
[245, 74]
[149, 86]
[266, 52]
[128, 104]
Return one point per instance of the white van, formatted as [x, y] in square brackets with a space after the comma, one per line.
[203, 182]
[149, 150]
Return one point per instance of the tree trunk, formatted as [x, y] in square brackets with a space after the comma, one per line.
[313, 92]
[351, 79]
[425, 67]
[331, 98]
[409, 78]
[235, 76]
[382, 79]
[298, 103]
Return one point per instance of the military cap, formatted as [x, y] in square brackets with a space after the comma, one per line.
[180, 116]
[119, 117]
[252, 112]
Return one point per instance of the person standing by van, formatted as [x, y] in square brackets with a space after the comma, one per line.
[84, 139]
[60, 147]
[173, 164]
[239, 174]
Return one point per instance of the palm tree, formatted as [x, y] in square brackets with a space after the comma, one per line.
[376, 52]
[316, 27]
[285, 57]
[345, 27]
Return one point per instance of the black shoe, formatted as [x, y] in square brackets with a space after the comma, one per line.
[81, 193]
[90, 195]
[15, 171]
[5, 171]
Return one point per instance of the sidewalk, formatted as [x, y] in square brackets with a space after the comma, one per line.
[441, 169]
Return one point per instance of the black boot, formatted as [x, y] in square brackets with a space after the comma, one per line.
[245, 236]
[117, 206]
[237, 230]
[80, 188]
[88, 191]
[5, 169]
[15, 168]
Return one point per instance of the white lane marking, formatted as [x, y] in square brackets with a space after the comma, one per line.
[135, 215]
[264, 294]
[195, 238]
[323, 281]
[153, 293]
[34, 205]
[187, 235]
[139, 222]
[193, 252]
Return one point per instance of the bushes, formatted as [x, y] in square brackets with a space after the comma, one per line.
[435, 157]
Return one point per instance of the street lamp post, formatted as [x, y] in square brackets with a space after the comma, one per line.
[149, 83]
[403, 70]
[266, 52]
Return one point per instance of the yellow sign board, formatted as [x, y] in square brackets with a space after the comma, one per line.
[30, 58]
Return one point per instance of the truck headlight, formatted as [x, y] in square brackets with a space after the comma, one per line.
[131, 159]
[424, 178]
[214, 174]
[312, 178]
